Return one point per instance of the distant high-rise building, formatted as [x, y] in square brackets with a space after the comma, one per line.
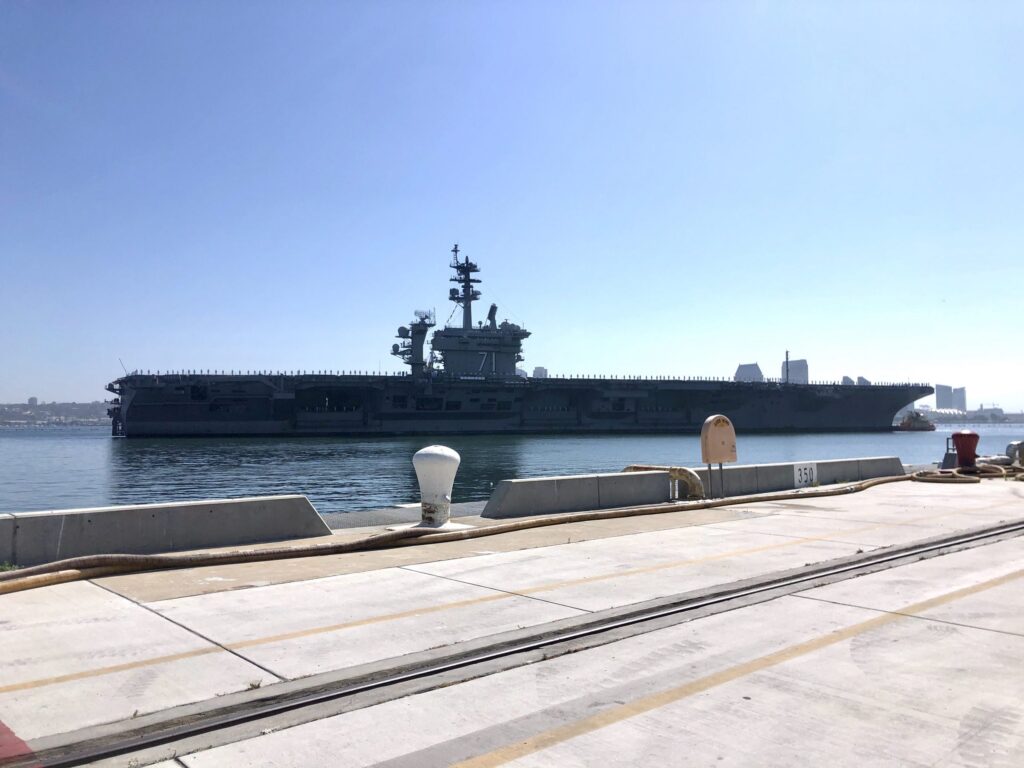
[960, 398]
[540, 372]
[748, 372]
[797, 373]
[862, 382]
[33, 401]
[847, 381]
[943, 396]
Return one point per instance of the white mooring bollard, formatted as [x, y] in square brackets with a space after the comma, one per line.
[436, 466]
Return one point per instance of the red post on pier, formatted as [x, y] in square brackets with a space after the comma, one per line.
[966, 444]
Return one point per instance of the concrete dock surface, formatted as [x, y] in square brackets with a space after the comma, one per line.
[920, 664]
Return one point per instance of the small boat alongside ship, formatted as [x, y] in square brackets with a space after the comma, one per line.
[469, 384]
[915, 421]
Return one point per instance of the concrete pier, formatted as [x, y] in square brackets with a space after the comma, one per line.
[920, 664]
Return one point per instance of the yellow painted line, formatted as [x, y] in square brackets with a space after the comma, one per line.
[109, 670]
[659, 567]
[796, 541]
[660, 699]
[504, 595]
[28, 684]
[258, 641]
[367, 621]
[440, 607]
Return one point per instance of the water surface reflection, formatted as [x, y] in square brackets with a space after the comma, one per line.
[85, 467]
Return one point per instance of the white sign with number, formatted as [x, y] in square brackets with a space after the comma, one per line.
[805, 475]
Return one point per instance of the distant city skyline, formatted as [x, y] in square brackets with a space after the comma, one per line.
[649, 188]
[954, 398]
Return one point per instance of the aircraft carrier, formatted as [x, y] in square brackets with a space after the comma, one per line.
[469, 385]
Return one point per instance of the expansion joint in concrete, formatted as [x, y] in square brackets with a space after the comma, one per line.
[833, 518]
[496, 589]
[191, 631]
[911, 616]
[813, 539]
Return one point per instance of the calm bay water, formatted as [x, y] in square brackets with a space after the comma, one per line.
[54, 468]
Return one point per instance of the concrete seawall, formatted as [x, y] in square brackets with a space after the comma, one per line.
[30, 538]
[740, 479]
[576, 493]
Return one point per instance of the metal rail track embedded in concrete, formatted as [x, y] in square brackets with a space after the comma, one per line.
[446, 666]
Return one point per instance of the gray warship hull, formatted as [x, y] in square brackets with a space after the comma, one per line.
[360, 405]
[470, 384]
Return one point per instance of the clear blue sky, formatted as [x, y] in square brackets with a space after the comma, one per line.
[655, 188]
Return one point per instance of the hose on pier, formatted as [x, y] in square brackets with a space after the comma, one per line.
[96, 566]
[969, 474]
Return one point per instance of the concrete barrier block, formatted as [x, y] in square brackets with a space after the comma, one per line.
[740, 480]
[543, 496]
[838, 471]
[6, 539]
[41, 537]
[744, 479]
[549, 495]
[774, 477]
[628, 489]
[880, 466]
[498, 501]
[37, 537]
[575, 494]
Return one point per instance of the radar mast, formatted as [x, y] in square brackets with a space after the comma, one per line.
[465, 296]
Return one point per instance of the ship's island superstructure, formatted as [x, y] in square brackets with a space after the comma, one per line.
[469, 385]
